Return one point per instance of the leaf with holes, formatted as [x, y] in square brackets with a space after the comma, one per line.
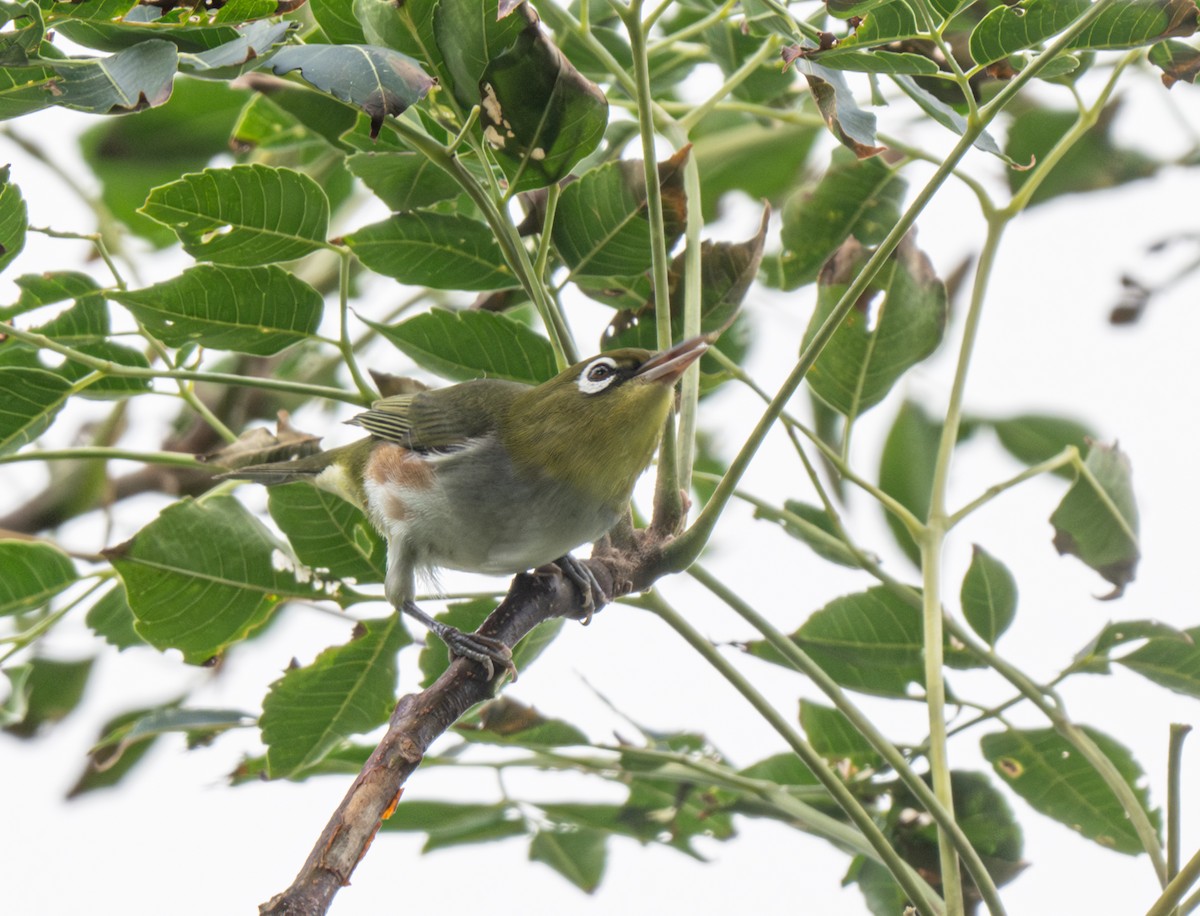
[379, 81]
[206, 574]
[1057, 781]
[445, 251]
[259, 310]
[245, 215]
[1098, 522]
[897, 322]
[463, 345]
[347, 690]
[538, 113]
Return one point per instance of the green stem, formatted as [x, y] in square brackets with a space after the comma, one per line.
[345, 346]
[765, 51]
[107, 367]
[1179, 885]
[801, 661]
[543, 250]
[1069, 455]
[511, 245]
[173, 459]
[1174, 796]
[26, 638]
[917, 889]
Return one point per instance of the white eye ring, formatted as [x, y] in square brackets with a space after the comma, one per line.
[597, 375]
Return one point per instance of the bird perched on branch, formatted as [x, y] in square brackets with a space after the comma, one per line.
[498, 477]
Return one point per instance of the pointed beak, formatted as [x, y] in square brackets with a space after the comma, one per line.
[666, 367]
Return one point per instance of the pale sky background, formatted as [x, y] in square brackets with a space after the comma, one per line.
[175, 838]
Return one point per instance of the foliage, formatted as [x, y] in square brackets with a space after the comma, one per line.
[450, 118]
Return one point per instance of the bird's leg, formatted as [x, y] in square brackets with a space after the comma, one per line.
[483, 649]
[585, 580]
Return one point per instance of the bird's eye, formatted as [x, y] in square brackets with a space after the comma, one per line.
[597, 375]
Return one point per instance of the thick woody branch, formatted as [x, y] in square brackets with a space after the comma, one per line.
[420, 718]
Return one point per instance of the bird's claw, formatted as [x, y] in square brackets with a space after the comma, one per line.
[488, 652]
[585, 580]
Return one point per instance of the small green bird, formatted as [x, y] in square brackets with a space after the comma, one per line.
[498, 477]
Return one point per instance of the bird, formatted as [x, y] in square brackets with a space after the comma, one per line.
[498, 477]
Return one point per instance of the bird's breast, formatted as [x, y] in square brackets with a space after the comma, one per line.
[470, 509]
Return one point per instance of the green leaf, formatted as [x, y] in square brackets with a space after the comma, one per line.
[1101, 526]
[765, 161]
[784, 769]
[989, 595]
[34, 572]
[601, 228]
[1094, 162]
[854, 199]
[1133, 23]
[245, 215]
[403, 181]
[538, 113]
[200, 726]
[894, 21]
[338, 21]
[255, 42]
[577, 855]
[1171, 662]
[259, 310]
[130, 80]
[1006, 29]
[13, 219]
[470, 36]
[29, 400]
[1056, 780]
[379, 81]
[1095, 657]
[813, 526]
[407, 28]
[25, 38]
[112, 618]
[347, 690]
[906, 469]
[870, 641]
[727, 270]
[463, 345]
[50, 691]
[897, 322]
[453, 824]
[13, 709]
[24, 90]
[947, 116]
[1177, 60]
[130, 156]
[443, 251]
[328, 533]
[1033, 438]
[108, 764]
[205, 575]
[57, 286]
[853, 127]
[891, 63]
[507, 722]
[835, 738]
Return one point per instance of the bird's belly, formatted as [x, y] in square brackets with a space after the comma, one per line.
[499, 523]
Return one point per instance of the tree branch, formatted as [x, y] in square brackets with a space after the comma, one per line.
[420, 718]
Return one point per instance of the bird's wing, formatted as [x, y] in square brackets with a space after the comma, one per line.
[442, 418]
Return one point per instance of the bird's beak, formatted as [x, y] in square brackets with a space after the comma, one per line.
[667, 366]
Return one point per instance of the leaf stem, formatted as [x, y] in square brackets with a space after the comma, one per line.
[108, 367]
[801, 661]
[917, 889]
[1174, 795]
[344, 343]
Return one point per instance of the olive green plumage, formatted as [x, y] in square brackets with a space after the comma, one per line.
[498, 477]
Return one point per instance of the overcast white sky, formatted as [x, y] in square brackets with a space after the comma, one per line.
[177, 839]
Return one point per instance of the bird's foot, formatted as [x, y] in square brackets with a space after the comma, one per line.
[585, 580]
[488, 652]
